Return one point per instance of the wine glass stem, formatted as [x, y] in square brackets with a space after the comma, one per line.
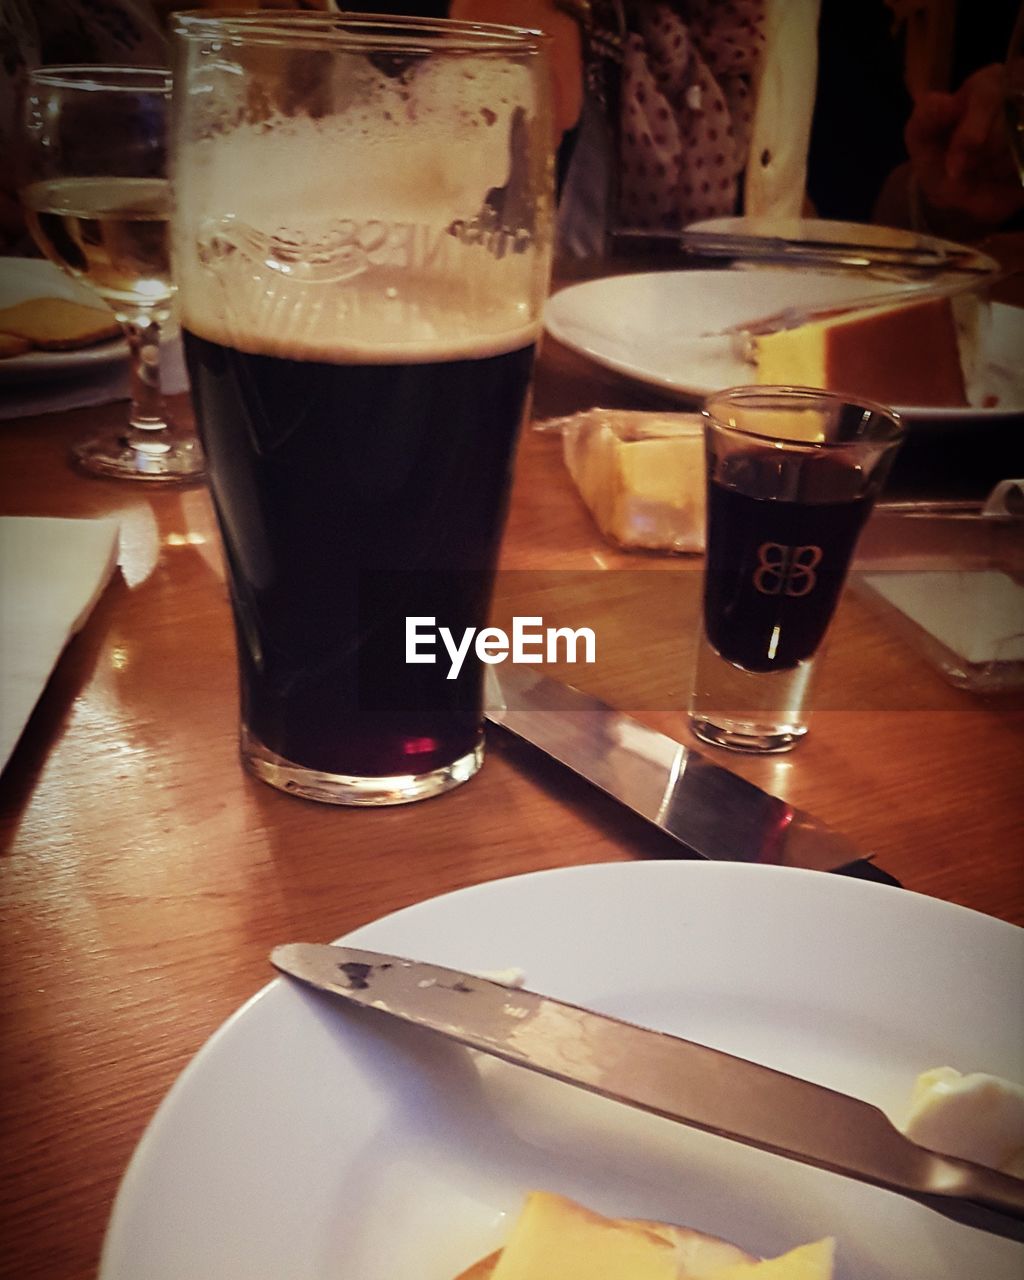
[147, 409]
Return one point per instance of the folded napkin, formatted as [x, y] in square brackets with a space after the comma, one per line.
[977, 614]
[52, 572]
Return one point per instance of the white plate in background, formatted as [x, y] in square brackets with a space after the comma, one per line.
[24, 278]
[653, 327]
[312, 1142]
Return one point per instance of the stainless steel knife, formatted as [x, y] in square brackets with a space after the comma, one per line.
[915, 258]
[715, 813]
[668, 1076]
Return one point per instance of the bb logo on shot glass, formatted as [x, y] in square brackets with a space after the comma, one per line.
[530, 642]
[786, 570]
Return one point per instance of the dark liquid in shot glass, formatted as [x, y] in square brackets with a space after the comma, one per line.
[351, 496]
[775, 568]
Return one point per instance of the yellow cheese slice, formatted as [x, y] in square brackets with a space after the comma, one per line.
[555, 1237]
[806, 1262]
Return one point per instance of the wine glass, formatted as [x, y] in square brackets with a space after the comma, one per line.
[94, 187]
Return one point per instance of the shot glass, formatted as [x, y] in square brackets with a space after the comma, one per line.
[362, 235]
[792, 476]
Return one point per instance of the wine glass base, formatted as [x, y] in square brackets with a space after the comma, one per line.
[116, 454]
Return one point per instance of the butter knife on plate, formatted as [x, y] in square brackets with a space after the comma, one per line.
[713, 812]
[678, 1079]
[915, 258]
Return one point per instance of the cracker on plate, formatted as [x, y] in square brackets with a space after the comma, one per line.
[57, 324]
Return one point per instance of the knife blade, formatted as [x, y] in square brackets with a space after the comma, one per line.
[916, 258]
[653, 1071]
[715, 813]
[920, 256]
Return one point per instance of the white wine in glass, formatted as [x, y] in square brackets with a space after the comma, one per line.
[110, 233]
[97, 202]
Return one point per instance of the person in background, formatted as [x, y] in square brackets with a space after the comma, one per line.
[717, 107]
[960, 180]
[694, 109]
[882, 110]
[908, 125]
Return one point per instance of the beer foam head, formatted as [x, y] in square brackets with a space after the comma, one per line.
[363, 211]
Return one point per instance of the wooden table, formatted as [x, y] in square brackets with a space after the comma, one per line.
[145, 877]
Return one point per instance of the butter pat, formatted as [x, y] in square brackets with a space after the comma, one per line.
[976, 1116]
[641, 475]
[511, 977]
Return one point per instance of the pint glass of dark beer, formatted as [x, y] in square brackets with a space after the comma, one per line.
[792, 476]
[362, 239]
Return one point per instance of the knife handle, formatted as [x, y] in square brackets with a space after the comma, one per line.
[864, 869]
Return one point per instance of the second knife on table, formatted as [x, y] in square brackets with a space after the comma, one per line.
[713, 812]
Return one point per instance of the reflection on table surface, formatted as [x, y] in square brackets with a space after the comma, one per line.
[146, 878]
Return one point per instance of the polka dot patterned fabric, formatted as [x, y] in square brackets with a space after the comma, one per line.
[687, 109]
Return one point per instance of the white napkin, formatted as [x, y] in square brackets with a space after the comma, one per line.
[52, 572]
[977, 614]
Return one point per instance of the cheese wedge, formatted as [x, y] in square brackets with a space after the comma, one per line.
[554, 1238]
[57, 324]
[905, 355]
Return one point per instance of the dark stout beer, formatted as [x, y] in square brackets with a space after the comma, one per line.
[362, 240]
[351, 496]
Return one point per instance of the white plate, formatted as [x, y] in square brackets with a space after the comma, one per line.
[651, 327]
[45, 366]
[305, 1142]
[22, 278]
[310, 1143]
